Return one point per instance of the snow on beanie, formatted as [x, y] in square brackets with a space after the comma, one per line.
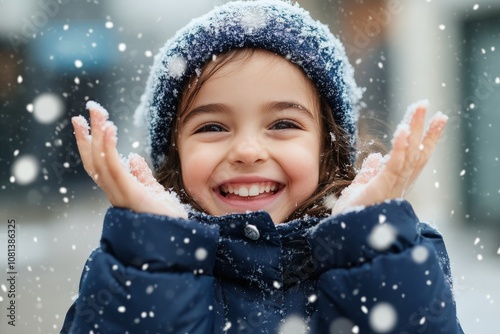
[273, 25]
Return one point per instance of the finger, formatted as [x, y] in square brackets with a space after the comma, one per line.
[119, 182]
[416, 120]
[98, 117]
[433, 133]
[102, 175]
[397, 156]
[431, 137]
[414, 139]
[83, 141]
[392, 173]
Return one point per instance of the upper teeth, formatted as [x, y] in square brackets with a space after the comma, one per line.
[249, 190]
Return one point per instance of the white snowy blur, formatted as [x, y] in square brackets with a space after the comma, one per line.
[293, 325]
[176, 67]
[253, 20]
[383, 318]
[382, 236]
[25, 169]
[47, 108]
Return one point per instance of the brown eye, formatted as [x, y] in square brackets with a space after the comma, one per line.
[212, 127]
[285, 125]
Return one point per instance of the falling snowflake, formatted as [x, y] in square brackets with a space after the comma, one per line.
[47, 108]
[200, 254]
[419, 254]
[312, 298]
[293, 325]
[25, 169]
[382, 236]
[227, 326]
[383, 318]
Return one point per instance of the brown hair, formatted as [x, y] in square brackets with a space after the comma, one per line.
[336, 169]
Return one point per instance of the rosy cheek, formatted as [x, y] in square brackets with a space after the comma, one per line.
[306, 172]
[190, 180]
[195, 179]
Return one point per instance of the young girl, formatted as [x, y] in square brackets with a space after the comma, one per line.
[251, 111]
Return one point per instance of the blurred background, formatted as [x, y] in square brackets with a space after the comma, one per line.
[56, 54]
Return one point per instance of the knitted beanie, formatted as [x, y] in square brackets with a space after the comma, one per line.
[273, 25]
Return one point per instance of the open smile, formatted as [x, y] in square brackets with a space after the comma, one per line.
[249, 190]
[254, 196]
[243, 194]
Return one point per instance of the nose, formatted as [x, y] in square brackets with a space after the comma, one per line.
[248, 150]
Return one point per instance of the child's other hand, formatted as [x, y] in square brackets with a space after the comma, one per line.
[136, 189]
[390, 177]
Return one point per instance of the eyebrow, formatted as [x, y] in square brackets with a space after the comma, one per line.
[283, 105]
[270, 106]
[203, 109]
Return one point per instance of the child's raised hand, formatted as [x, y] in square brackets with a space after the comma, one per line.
[390, 177]
[136, 189]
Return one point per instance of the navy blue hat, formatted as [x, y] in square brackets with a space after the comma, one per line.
[277, 26]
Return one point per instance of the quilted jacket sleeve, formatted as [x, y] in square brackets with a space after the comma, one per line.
[151, 274]
[382, 271]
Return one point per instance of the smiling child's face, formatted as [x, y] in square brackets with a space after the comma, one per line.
[251, 139]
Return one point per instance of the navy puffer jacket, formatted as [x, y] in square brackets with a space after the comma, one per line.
[243, 274]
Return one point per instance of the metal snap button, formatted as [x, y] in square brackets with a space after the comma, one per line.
[251, 232]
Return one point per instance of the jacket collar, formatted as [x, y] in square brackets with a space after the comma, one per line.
[253, 250]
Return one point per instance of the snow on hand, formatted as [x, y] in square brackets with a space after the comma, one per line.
[97, 107]
[140, 169]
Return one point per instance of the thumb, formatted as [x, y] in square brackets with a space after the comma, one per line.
[140, 169]
[369, 168]
[168, 201]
